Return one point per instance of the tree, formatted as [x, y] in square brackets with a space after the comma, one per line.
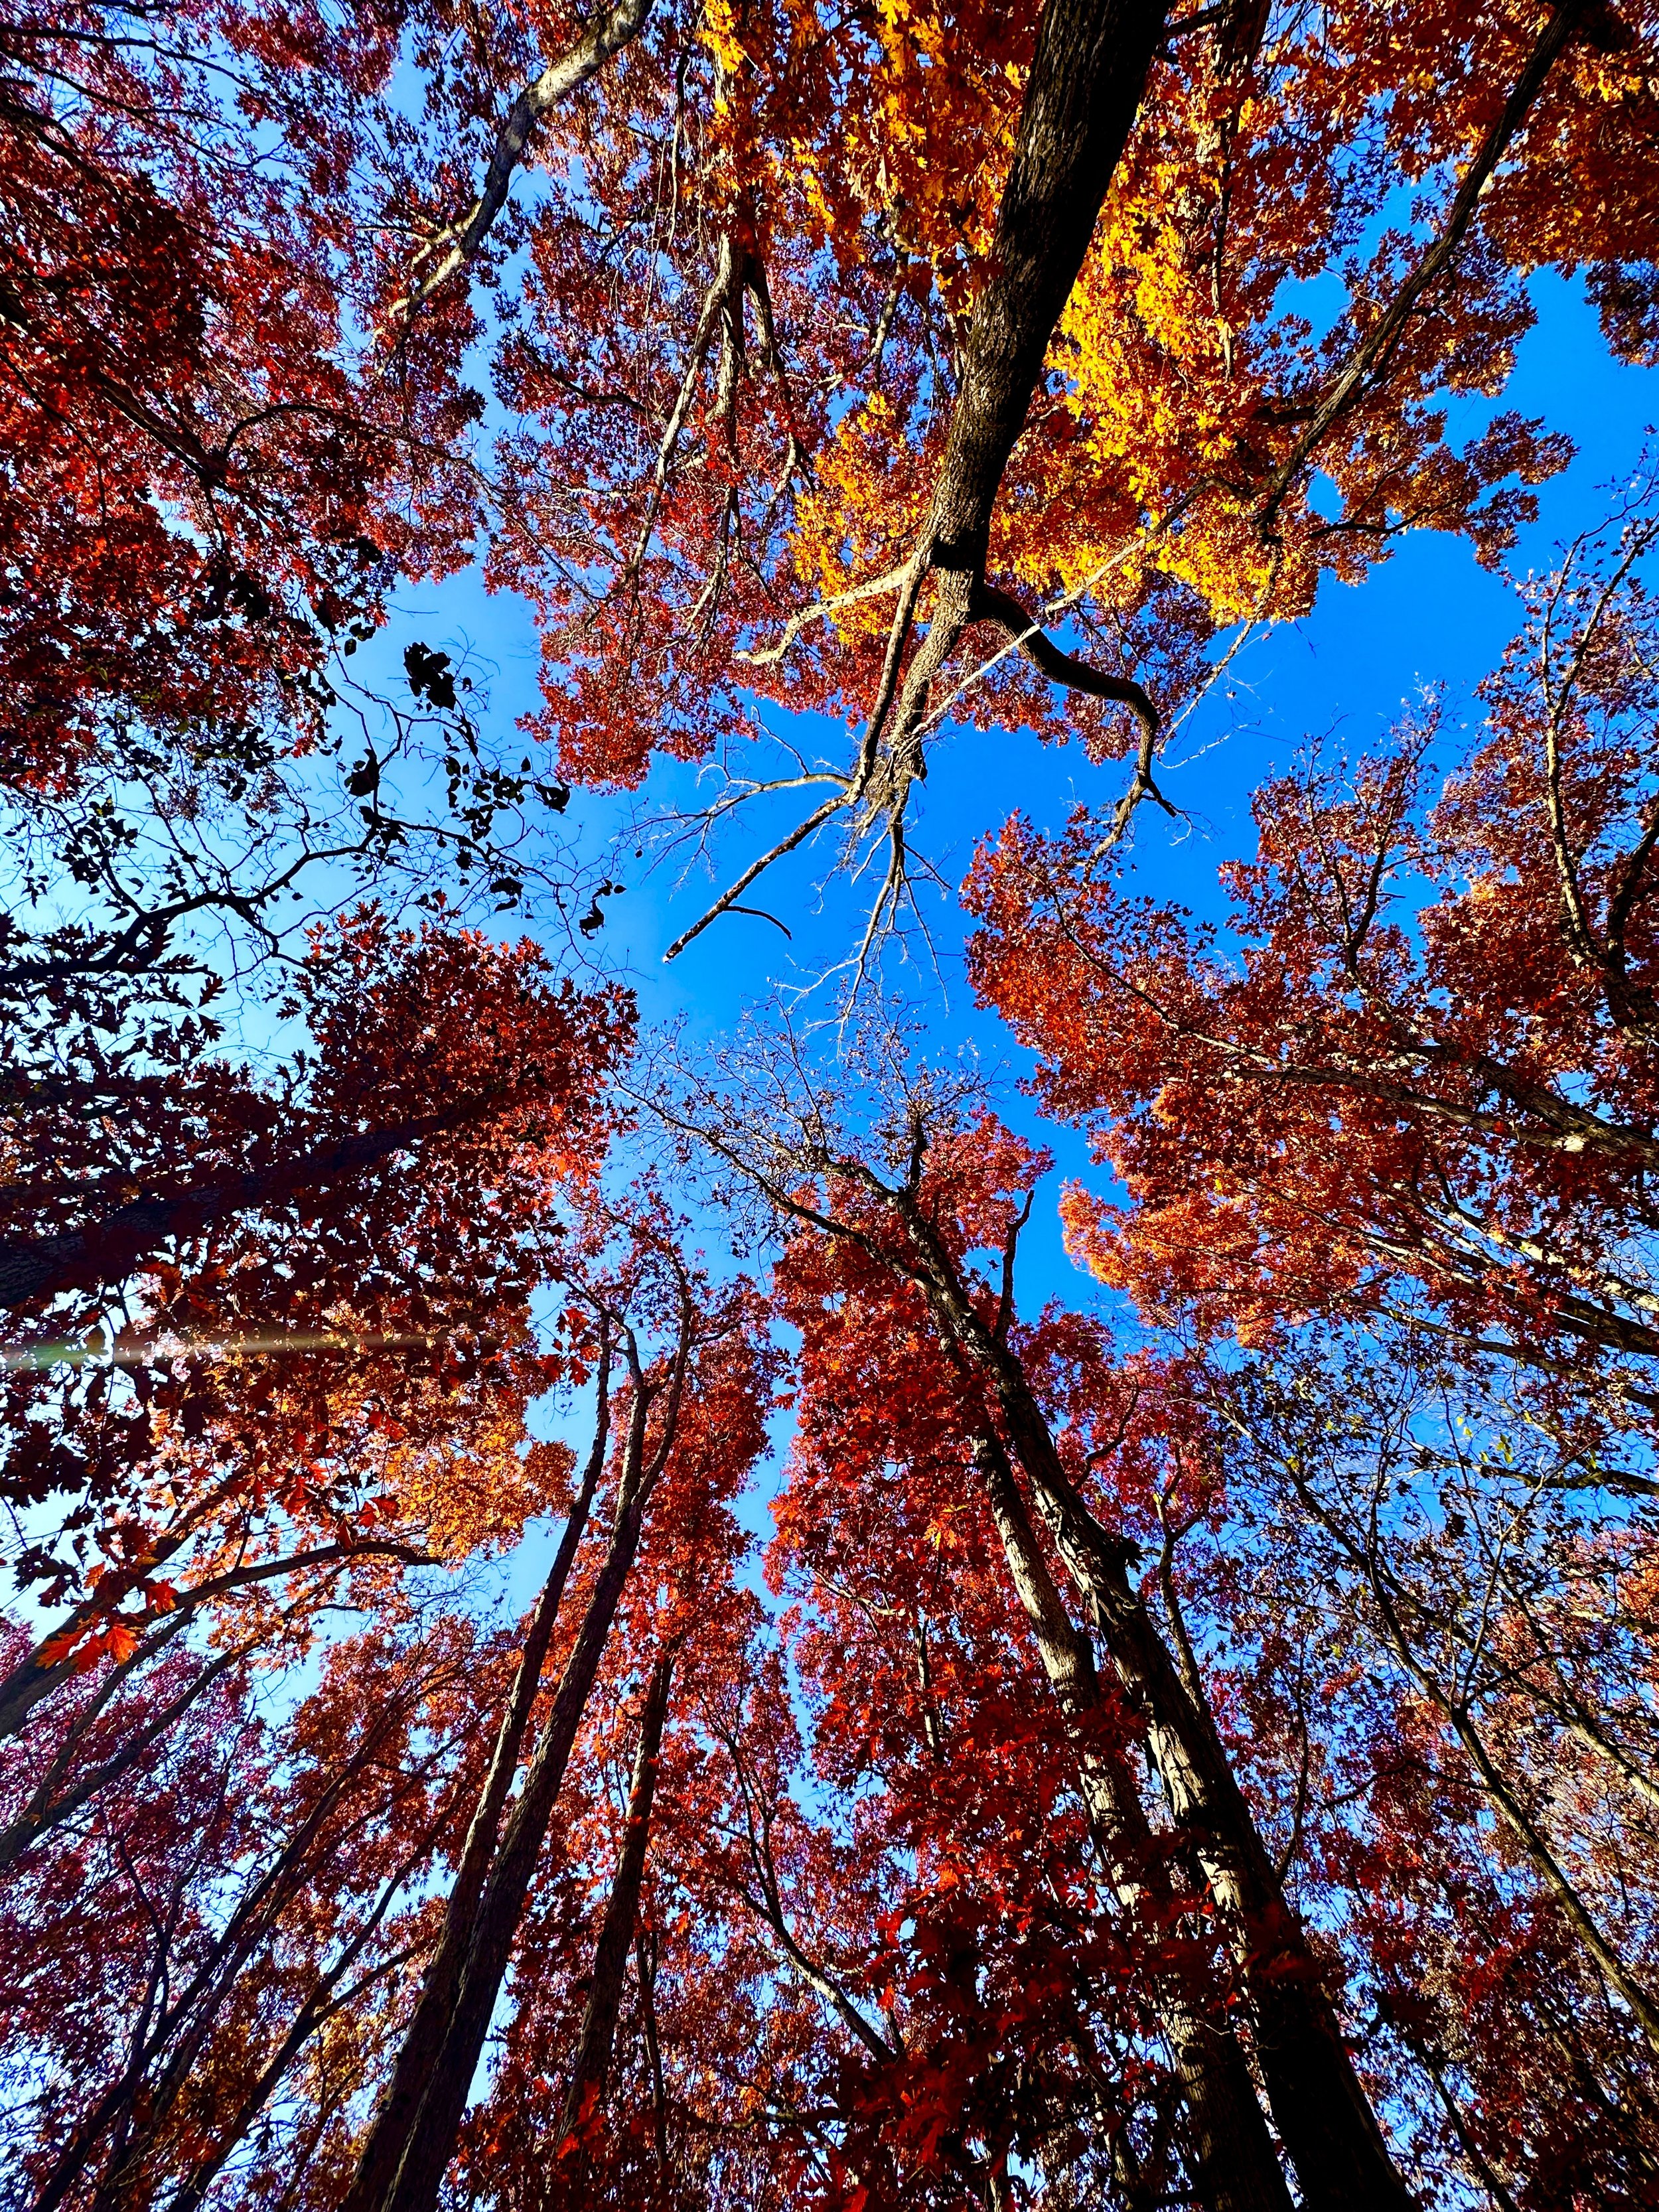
[957, 1187]
[206, 487]
[1197, 1762]
[170, 1961]
[1069, 366]
[1416, 1075]
[1471, 1634]
[294, 1287]
[692, 1427]
[1042, 1954]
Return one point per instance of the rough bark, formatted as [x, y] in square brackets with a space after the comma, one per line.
[1088, 77]
[425, 2154]
[1322, 2111]
[1088, 74]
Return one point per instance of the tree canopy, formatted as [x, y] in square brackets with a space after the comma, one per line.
[590, 1625]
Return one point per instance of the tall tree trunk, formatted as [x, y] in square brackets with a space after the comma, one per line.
[400, 2103]
[324, 2000]
[645, 1966]
[1235, 2168]
[585, 2099]
[410, 2165]
[1318, 2104]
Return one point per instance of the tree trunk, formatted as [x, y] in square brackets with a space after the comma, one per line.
[400, 2102]
[585, 2099]
[1088, 74]
[1319, 2107]
[45, 1811]
[415, 2175]
[1235, 2168]
[1088, 77]
[184, 2021]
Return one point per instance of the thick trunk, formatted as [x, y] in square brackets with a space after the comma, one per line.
[399, 2105]
[1318, 2104]
[1319, 2107]
[1088, 77]
[414, 2183]
[1235, 2168]
[585, 2098]
[1088, 74]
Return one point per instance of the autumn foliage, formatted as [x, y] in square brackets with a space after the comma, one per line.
[579, 1636]
[1420, 1067]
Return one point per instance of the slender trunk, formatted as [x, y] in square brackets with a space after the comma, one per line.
[320, 2008]
[1235, 2168]
[1318, 2104]
[399, 2104]
[584, 2102]
[425, 2155]
[645, 1966]
[32, 1680]
[105, 1252]
[1527, 1832]
[1371, 357]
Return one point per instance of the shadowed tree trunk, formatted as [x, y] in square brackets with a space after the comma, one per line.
[105, 1252]
[395, 2114]
[402, 2164]
[584, 2101]
[1318, 2104]
[1235, 2168]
